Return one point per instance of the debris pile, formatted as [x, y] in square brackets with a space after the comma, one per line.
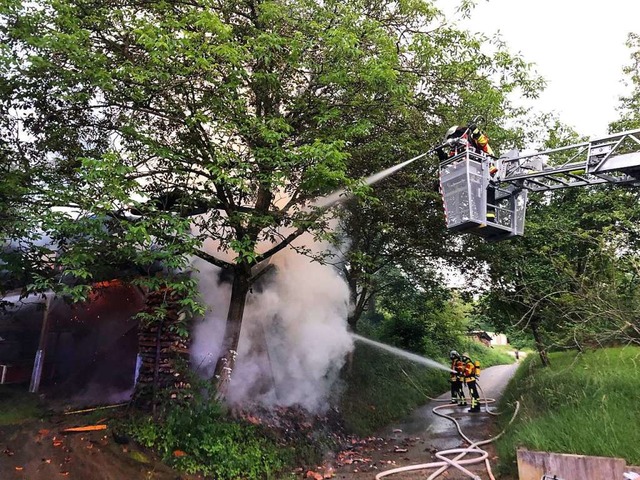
[294, 424]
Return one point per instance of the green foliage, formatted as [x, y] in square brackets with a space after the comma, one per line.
[582, 404]
[416, 315]
[487, 356]
[213, 445]
[572, 279]
[630, 105]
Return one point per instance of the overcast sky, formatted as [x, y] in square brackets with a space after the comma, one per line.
[578, 47]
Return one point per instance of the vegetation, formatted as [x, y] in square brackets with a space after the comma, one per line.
[16, 405]
[167, 125]
[381, 387]
[136, 135]
[582, 404]
[197, 438]
[572, 281]
[630, 105]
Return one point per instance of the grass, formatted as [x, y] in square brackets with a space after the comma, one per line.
[378, 391]
[497, 355]
[17, 404]
[198, 438]
[583, 404]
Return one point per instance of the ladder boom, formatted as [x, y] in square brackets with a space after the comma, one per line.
[613, 159]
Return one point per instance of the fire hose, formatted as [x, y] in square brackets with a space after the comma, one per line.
[458, 461]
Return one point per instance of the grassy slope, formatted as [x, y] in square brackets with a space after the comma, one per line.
[583, 404]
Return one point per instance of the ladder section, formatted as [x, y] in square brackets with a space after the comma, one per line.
[614, 159]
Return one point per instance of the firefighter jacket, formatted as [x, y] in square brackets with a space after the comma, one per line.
[471, 370]
[468, 136]
[481, 141]
[458, 366]
[460, 369]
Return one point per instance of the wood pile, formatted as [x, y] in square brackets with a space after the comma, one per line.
[164, 354]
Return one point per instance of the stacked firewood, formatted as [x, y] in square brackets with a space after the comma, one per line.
[163, 352]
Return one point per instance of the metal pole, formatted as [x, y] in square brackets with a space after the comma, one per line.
[36, 374]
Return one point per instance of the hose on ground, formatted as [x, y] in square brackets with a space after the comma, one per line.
[458, 461]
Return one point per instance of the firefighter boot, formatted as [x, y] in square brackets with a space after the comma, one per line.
[475, 406]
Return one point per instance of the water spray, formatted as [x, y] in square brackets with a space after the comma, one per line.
[342, 195]
[402, 353]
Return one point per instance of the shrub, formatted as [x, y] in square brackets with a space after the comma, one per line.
[196, 438]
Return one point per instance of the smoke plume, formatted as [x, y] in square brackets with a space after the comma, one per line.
[294, 335]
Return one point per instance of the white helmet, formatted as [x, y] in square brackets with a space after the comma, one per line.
[453, 354]
[450, 132]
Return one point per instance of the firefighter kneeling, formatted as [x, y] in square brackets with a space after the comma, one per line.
[471, 373]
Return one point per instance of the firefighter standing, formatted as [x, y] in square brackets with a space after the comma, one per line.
[457, 393]
[471, 373]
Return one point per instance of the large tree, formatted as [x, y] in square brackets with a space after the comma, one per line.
[173, 124]
[401, 225]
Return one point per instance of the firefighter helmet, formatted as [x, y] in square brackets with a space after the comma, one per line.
[453, 354]
[450, 132]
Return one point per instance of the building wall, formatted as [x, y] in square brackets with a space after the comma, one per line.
[498, 338]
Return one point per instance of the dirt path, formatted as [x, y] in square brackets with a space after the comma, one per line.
[37, 450]
[415, 439]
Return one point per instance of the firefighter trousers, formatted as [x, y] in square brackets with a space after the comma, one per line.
[473, 393]
[457, 393]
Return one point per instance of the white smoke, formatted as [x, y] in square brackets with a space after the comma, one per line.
[294, 334]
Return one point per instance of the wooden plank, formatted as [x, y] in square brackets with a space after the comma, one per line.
[533, 465]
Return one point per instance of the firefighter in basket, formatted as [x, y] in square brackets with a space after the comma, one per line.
[460, 138]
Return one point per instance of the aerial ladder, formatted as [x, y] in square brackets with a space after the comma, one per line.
[494, 207]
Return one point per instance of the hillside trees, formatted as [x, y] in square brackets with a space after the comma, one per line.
[572, 280]
[169, 125]
[416, 314]
[629, 107]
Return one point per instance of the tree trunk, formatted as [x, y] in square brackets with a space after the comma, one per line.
[544, 358]
[358, 303]
[229, 352]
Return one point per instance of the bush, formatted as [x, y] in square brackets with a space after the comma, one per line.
[197, 438]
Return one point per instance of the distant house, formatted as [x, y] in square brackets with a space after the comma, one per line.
[480, 336]
[498, 338]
